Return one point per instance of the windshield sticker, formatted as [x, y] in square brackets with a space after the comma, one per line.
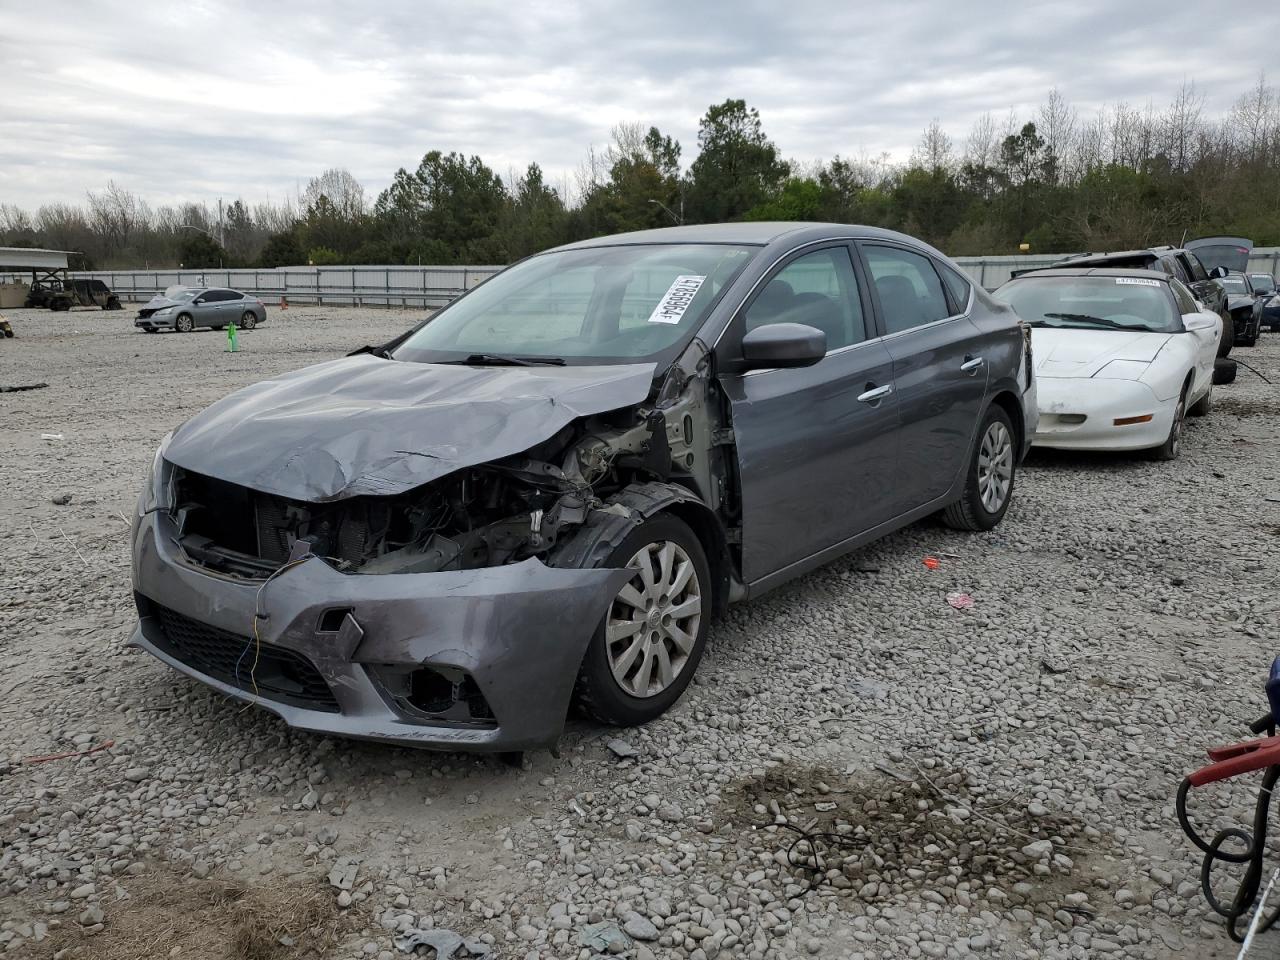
[1138, 281]
[676, 300]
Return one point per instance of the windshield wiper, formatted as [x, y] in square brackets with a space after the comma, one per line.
[1086, 318]
[496, 360]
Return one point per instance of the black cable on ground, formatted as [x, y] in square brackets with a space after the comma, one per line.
[1254, 847]
[820, 847]
[1251, 369]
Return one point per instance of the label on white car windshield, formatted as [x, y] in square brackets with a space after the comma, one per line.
[676, 300]
[1138, 281]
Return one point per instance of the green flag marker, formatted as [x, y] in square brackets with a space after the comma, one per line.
[232, 346]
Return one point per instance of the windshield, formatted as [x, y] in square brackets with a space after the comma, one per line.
[179, 293]
[1235, 284]
[594, 305]
[1093, 303]
[1263, 282]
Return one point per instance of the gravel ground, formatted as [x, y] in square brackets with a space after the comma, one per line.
[995, 781]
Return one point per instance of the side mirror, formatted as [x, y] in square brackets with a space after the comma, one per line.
[783, 345]
[1217, 273]
[1199, 321]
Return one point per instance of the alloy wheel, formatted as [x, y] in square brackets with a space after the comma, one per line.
[1175, 433]
[654, 620]
[995, 466]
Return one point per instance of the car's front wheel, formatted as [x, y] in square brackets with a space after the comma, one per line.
[1172, 445]
[184, 323]
[988, 485]
[644, 654]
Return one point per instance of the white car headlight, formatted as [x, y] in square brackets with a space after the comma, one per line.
[1123, 370]
[165, 312]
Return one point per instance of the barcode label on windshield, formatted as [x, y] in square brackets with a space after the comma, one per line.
[1139, 281]
[676, 300]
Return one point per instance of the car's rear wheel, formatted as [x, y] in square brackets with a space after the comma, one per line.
[1172, 445]
[988, 485]
[183, 323]
[644, 654]
[248, 321]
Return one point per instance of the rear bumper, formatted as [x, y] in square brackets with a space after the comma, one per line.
[1101, 402]
[518, 631]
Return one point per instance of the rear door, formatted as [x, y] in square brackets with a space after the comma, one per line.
[816, 445]
[939, 371]
[231, 308]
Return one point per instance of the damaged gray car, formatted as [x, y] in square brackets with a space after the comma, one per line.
[544, 493]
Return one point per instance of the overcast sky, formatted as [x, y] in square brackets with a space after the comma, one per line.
[206, 99]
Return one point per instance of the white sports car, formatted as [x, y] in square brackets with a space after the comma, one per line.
[1121, 356]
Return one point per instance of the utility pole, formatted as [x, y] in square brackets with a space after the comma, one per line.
[222, 236]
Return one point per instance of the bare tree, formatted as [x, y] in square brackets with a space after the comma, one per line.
[1057, 125]
[341, 189]
[934, 151]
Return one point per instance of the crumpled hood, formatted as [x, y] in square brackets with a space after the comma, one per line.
[1082, 353]
[160, 301]
[1239, 301]
[364, 425]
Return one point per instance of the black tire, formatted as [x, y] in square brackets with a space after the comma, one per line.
[183, 323]
[1202, 406]
[1172, 445]
[248, 321]
[971, 511]
[598, 693]
[1224, 371]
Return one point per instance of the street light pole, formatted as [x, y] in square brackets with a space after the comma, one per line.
[678, 220]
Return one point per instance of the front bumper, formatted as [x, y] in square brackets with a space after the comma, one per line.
[519, 631]
[154, 323]
[1101, 402]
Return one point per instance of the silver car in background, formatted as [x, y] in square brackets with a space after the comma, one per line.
[185, 308]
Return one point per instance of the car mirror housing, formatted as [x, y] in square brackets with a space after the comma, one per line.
[783, 345]
[1198, 321]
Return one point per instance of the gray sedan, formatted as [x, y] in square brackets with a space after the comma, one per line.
[545, 492]
[185, 308]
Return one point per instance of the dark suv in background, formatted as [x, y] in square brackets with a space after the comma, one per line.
[1180, 262]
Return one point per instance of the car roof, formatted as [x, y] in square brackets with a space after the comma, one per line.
[755, 233]
[1086, 271]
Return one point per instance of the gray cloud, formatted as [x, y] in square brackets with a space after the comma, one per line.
[229, 99]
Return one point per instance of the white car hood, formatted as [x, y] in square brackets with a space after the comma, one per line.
[1082, 353]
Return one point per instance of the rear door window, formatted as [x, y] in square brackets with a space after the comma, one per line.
[909, 288]
[957, 284]
[1195, 267]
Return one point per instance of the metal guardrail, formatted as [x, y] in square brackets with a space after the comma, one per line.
[394, 286]
[424, 286]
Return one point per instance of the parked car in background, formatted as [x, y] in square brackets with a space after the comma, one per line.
[185, 308]
[1264, 283]
[1184, 263]
[1121, 356]
[547, 489]
[1245, 304]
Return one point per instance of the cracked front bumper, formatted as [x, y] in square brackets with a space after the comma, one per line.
[1100, 402]
[519, 631]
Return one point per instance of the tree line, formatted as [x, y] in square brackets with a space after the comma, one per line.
[1056, 182]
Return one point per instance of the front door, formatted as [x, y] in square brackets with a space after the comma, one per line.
[816, 445]
[939, 370]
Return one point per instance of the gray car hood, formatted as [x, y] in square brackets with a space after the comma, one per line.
[364, 425]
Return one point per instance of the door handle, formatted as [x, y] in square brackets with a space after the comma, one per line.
[875, 394]
[971, 364]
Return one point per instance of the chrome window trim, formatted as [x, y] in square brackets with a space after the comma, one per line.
[968, 307]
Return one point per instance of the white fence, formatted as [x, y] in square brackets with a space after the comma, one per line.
[423, 286]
